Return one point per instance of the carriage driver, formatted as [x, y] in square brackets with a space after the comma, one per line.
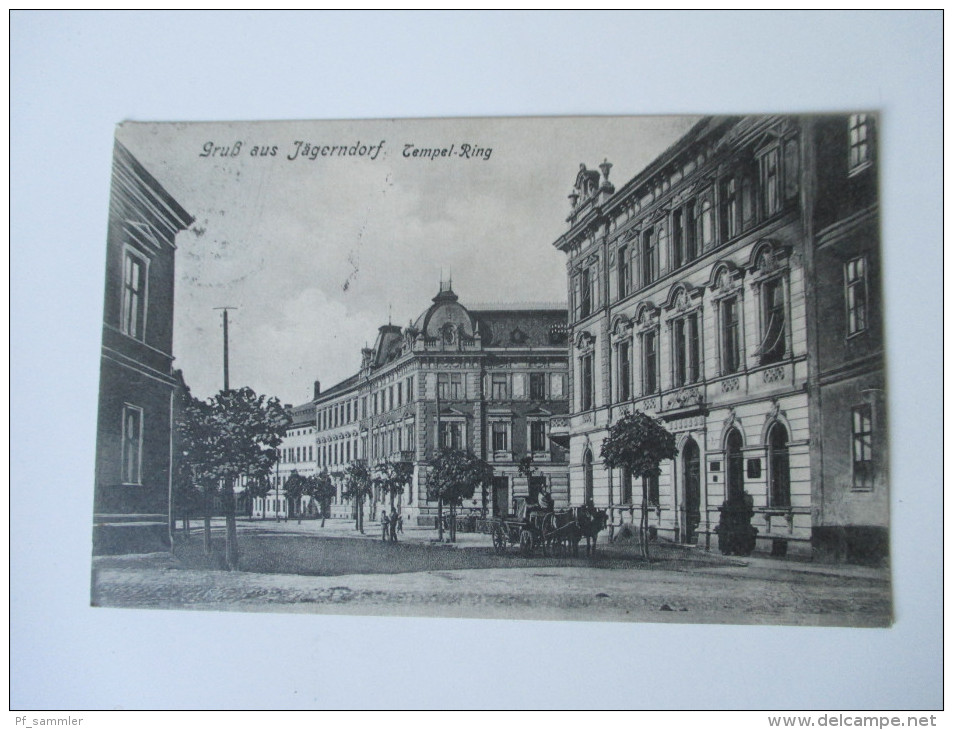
[545, 500]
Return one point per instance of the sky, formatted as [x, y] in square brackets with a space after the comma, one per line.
[316, 254]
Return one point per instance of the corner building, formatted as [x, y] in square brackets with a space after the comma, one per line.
[688, 302]
[491, 380]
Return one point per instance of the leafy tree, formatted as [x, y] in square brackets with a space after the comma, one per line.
[358, 486]
[639, 443]
[455, 476]
[295, 487]
[235, 433]
[255, 489]
[393, 477]
[322, 490]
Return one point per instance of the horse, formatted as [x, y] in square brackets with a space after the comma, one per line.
[560, 528]
[591, 522]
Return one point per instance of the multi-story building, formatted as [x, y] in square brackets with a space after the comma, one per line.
[491, 380]
[689, 290]
[296, 454]
[847, 382]
[137, 385]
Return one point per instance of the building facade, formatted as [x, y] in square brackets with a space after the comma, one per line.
[137, 385]
[694, 294]
[491, 380]
[296, 455]
[847, 383]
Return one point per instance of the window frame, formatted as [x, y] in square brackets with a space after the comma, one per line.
[859, 123]
[866, 412]
[650, 357]
[129, 408]
[132, 253]
[737, 341]
[849, 286]
[537, 386]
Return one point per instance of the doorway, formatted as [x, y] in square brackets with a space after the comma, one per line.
[736, 465]
[501, 495]
[587, 477]
[691, 468]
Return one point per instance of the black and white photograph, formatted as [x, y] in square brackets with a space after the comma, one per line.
[623, 369]
[476, 360]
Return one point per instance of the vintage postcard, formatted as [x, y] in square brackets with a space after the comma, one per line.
[606, 368]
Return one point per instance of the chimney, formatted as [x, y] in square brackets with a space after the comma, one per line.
[317, 389]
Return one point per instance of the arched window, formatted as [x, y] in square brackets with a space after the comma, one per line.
[779, 468]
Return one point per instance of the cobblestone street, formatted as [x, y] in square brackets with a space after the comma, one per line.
[361, 575]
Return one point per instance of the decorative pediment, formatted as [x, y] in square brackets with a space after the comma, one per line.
[585, 341]
[768, 257]
[726, 277]
[621, 326]
[682, 296]
[646, 314]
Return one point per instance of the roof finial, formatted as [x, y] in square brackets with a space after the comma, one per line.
[389, 315]
[450, 284]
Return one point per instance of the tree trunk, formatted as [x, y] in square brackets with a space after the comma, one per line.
[231, 530]
[187, 526]
[207, 545]
[453, 523]
[360, 514]
[644, 522]
[440, 519]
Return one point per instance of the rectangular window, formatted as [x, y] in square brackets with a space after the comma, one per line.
[730, 336]
[623, 271]
[706, 225]
[498, 389]
[131, 445]
[537, 386]
[450, 386]
[537, 435]
[410, 389]
[772, 340]
[499, 436]
[855, 274]
[585, 365]
[400, 394]
[451, 434]
[649, 363]
[133, 296]
[691, 243]
[862, 436]
[685, 336]
[626, 486]
[624, 374]
[585, 296]
[652, 489]
[678, 239]
[771, 182]
[649, 272]
[729, 209]
[859, 133]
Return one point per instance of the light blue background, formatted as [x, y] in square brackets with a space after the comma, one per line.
[73, 76]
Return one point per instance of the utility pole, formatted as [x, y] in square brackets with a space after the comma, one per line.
[225, 330]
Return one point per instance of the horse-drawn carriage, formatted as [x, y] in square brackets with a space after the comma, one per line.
[532, 528]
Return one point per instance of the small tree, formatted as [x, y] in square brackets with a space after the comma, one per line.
[639, 443]
[232, 434]
[295, 487]
[358, 486]
[322, 490]
[393, 477]
[455, 476]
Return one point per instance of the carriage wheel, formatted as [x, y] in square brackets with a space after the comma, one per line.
[526, 543]
[499, 540]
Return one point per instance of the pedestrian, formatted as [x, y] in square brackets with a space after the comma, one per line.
[400, 524]
[393, 524]
[384, 525]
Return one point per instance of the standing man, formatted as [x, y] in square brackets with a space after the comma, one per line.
[384, 525]
[393, 524]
